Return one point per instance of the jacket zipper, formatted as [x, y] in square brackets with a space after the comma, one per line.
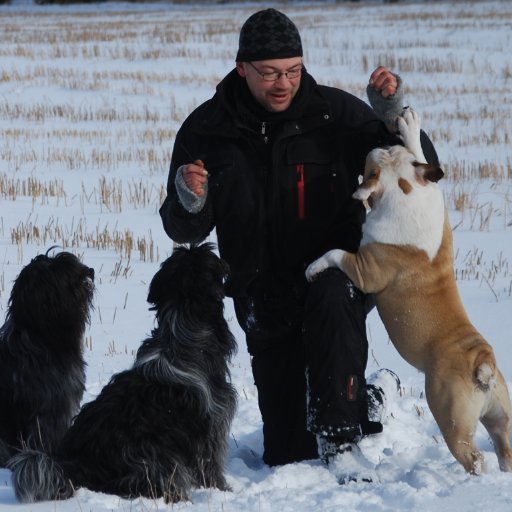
[352, 388]
[263, 130]
[300, 192]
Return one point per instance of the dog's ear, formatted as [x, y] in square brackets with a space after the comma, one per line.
[52, 292]
[428, 172]
[187, 273]
[369, 186]
[160, 287]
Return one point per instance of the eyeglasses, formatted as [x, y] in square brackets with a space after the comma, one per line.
[276, 75]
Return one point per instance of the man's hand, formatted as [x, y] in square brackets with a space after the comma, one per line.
[383, 81]
[386, 95]
[195, 176]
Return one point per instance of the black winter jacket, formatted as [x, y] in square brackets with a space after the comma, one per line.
[280, 185]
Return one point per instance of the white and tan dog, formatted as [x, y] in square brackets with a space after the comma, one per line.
[406, 260]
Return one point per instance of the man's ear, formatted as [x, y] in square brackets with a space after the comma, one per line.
[241, 69]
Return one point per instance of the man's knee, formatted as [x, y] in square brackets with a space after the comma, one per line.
[333, 289]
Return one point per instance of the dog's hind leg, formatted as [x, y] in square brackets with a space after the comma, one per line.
[497, 419]
[172, 486]
[456, 410]
[210, 471]
[5, 454]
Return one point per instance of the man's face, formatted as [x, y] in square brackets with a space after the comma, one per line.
[273, 95]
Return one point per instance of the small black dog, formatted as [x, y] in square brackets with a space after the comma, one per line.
[160, 428]
[42, 371]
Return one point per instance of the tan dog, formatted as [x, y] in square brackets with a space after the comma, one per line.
[406, 260]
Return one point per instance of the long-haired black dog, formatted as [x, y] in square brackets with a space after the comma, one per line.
[42, 371]
[160, 428]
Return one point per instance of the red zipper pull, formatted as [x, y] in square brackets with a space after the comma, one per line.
[352, 388]
[300, 191]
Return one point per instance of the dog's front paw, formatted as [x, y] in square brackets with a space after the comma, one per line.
[409, 126]
[409, 122]
[329, 259]
[316, 267]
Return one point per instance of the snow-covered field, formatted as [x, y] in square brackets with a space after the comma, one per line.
[90, 99]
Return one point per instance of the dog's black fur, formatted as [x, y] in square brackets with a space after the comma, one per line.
[160, 428]
[42, 371]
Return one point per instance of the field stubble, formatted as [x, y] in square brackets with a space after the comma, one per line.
[103, 93]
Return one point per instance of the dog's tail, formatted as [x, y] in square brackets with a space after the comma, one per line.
[485, 368]
[38, 477]
[485, 375]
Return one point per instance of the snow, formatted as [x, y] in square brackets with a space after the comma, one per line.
[90, 99]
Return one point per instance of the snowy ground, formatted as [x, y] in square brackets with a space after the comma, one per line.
[90, 99]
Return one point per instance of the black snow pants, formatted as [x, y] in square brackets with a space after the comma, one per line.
[309, 355]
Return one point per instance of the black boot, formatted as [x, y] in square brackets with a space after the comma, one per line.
[345, 460]
[379, 384]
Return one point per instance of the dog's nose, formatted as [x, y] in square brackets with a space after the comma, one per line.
[91, 273]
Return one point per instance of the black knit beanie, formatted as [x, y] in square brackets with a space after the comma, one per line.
[268, 34]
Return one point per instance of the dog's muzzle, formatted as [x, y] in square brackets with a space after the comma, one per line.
[89, 278]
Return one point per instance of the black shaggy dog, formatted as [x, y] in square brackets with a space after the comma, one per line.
[42, 371]
[160, 428]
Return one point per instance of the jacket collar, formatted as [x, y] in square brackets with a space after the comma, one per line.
[233, 110]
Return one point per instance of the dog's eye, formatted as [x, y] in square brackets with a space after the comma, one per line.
[374, 172]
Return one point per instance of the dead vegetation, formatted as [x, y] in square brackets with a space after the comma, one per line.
[91, 101]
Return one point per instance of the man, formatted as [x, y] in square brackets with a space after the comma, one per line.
[271, 162]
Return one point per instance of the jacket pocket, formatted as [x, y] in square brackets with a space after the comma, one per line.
[313, 187]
